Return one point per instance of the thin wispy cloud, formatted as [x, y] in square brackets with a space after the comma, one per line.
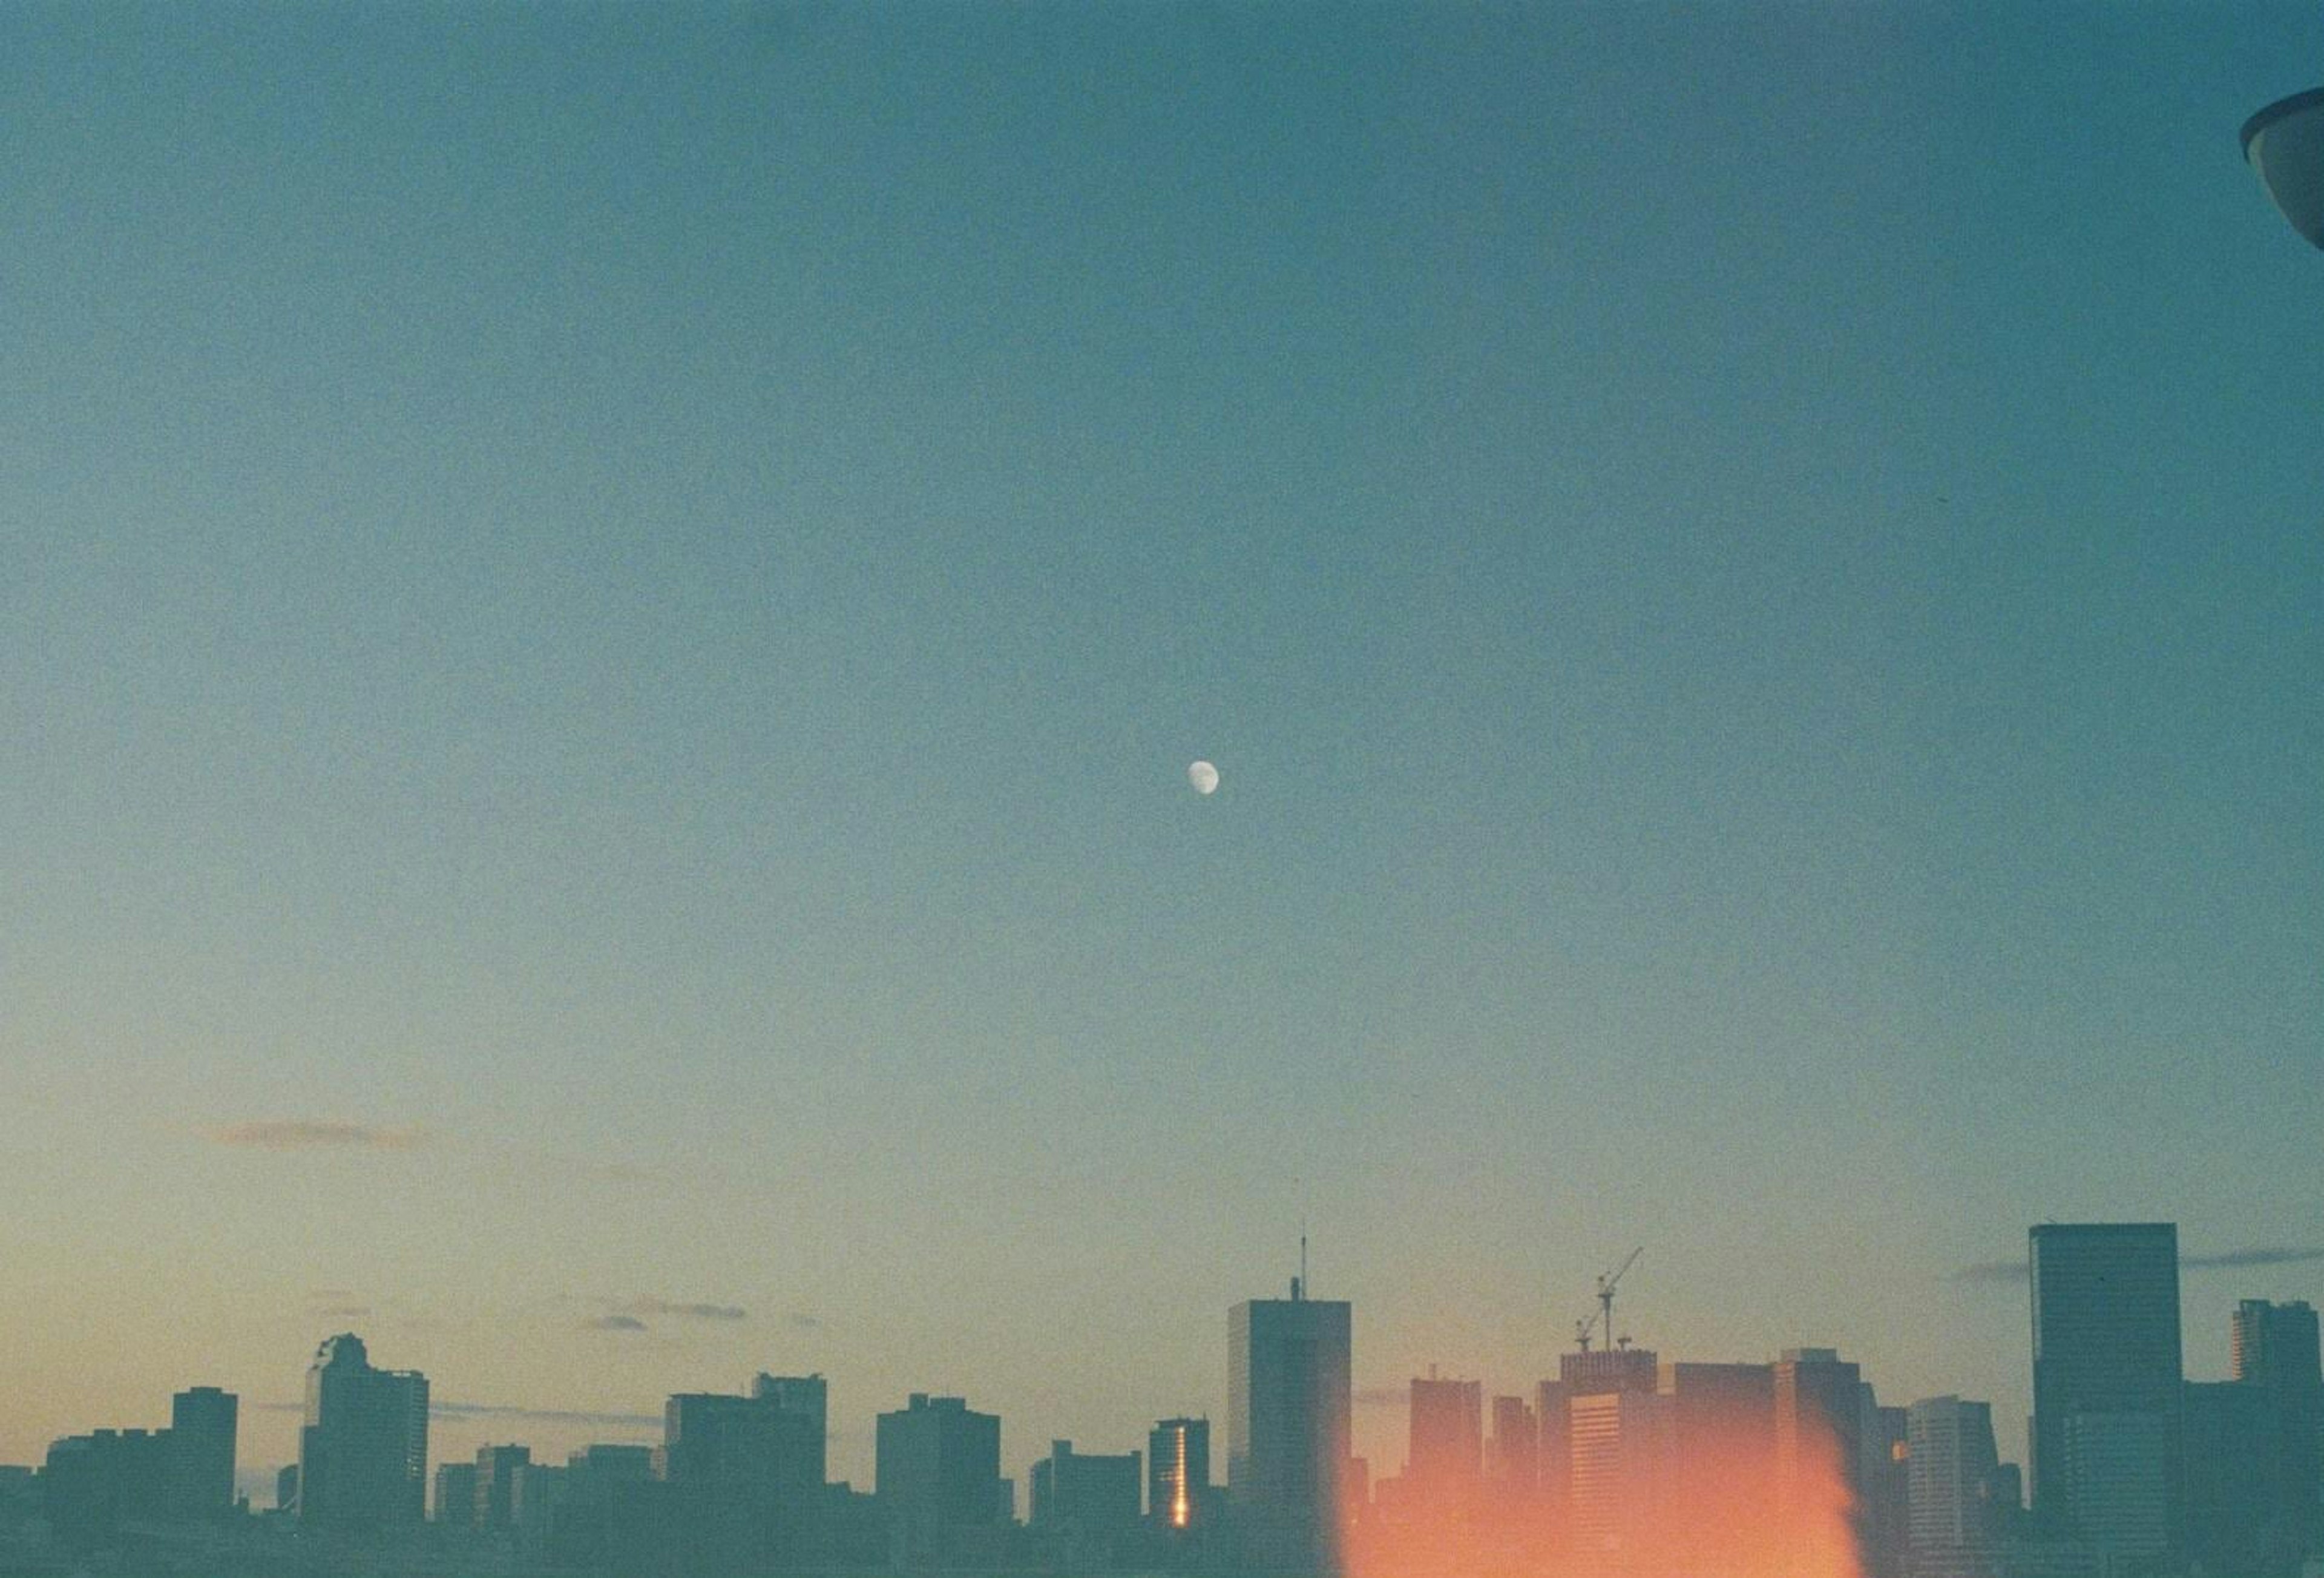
[616, 1323]
[452, 1410]
[2267, 1255]
[282, 1134]
[2005, 1273]
[684, 1310]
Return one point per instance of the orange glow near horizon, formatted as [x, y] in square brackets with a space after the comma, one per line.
[1707, 1505]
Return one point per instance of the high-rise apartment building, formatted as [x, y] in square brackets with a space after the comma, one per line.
[1177, 1472]
[363, 1452]
[1289, 1396]
[202, 1422]
[2106, 1464]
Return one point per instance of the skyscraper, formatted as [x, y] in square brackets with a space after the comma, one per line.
[2107, 1385]
[1445, 1458]
[1820, 1408]
[1951, 1470]
[1514, 1473]
[363, 1452]
[2274, 1347]
[1620, 1481]
[1177, 1472]
[202, 1421]
[1084, 1493]
[937, 1472]
[808, 1397]
[1287, 1406]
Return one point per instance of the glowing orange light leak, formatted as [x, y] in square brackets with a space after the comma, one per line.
[1709, 1505]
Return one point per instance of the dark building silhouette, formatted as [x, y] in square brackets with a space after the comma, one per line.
[2237, 1483]
[805, 1397]
[90, 1485]
[2108, 1387]
[498, 1471]
[456, 1495]
[1445, 1457]
[1179, 1473]
[1514, 1461]
[938, 1475]
[2274, 1347]
[1288, 1396]
[1722, 1425]
[1085, 1493]
[202, 1426]
[363, 1452]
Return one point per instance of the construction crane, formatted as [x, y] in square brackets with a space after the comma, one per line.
[1604, 1313]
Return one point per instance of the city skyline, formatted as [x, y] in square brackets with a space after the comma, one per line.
[1376, 1400]
[605, 611]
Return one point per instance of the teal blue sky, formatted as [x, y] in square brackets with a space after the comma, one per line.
[615, 601]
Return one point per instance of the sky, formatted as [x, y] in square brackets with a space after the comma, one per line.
[604, 611]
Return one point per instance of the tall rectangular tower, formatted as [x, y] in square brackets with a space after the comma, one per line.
[1444, 1462]
[363, 1452]
[2107, 1384]
[1179, 1472]
[2274, 1348]
[1287, 1406]
[202, 1421]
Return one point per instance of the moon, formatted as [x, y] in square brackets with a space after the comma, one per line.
[1203, 776]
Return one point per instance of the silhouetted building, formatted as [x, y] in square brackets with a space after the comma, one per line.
[2236, 1491]
[456, 1495]
[808, 1397]
[2274, 1348]
[1179, 1472]
[498, 1468]
[1287, 1407]
[1513, 1473]
[739, 1449]
[1882, 1514]
[1085, 1492]
[1444, 1462]
[938, 1474]
[1820, 1408]
[2107, 1387]
[1722, 1423]
[1952, 1474]
[90, 1485]
[202, 1422]
[363, 1452]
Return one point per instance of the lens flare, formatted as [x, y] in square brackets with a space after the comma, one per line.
[1707, 1503]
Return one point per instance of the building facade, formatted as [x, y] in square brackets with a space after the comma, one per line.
[363, 1452]
[2106, 1465]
